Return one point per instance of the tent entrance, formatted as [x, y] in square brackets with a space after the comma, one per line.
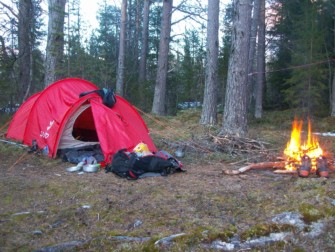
[84, 128]
[79, 130]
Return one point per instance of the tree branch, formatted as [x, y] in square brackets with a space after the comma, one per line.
[176, 22]
[10, 9]
[189, 13]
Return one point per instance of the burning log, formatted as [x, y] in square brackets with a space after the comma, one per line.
[263, 165]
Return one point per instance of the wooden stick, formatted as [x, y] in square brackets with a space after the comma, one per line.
[264, 165]
[20, 159]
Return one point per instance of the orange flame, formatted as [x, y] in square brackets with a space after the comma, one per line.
[295, 150]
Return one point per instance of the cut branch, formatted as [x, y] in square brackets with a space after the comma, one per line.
[264, 165]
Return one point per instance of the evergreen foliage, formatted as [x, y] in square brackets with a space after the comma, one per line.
[300, 57]
[299, 78]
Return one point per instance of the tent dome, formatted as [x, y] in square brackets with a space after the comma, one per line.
[58, 118]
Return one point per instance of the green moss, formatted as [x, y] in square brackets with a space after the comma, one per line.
[265, 229]
[148, 246]
[224, 235]
[20, 217]
[298, 250]
[7, 200]
[111, 233]
[329, 211]
[310, 213]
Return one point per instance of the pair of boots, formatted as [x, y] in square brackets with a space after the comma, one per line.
[321, 166]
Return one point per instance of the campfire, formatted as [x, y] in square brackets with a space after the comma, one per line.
[302, 155]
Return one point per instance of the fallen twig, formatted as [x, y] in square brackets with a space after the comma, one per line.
[19, 159]
[263, 165]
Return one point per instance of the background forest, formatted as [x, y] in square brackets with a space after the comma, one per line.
[291, 52]
[237, 61]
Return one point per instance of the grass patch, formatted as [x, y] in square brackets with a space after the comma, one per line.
[310, 213]
[203, 203]
[265, 229]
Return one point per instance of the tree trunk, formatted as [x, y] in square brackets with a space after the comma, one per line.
[136, 36]
[235, 110]
[120, 70]
[333, 96]
[158, 106]
[252, 50]
[333, 84]
[144, 43]
[209, 109]
[55, 42]
[25, 47]
[260, 81]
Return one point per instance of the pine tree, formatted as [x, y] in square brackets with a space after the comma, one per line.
[308, 85]
[121, 57]
[103, 45]
[260, 78]
[158, 106]
[21, 68]
[208, 115]
[55, 42]
[235, 110]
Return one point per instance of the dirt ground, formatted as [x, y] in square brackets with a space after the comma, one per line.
[45, 208]
[43, 205]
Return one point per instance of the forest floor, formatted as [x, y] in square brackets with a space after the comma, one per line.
[45, 208]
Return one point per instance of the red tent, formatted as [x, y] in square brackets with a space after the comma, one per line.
[58, 119]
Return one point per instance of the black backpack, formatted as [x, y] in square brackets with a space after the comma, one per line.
[107, 95]
[122, 164]
[130, 166]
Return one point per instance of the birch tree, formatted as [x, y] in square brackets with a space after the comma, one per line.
[120, 72]
[158, 106]
[55, 42]
[209, 109]
[235, 110]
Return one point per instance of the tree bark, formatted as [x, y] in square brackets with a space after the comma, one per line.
[25, 47]
[136, 35]
[209, 109]
[260, 80]
[333, 96]
[55, 42]
[158, 106]
[120, 70]
[333, 84]
[144, 43]
[252, 49]
[235, 110]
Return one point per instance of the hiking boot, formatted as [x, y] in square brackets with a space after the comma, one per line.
[321, 166]
[305, 167]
